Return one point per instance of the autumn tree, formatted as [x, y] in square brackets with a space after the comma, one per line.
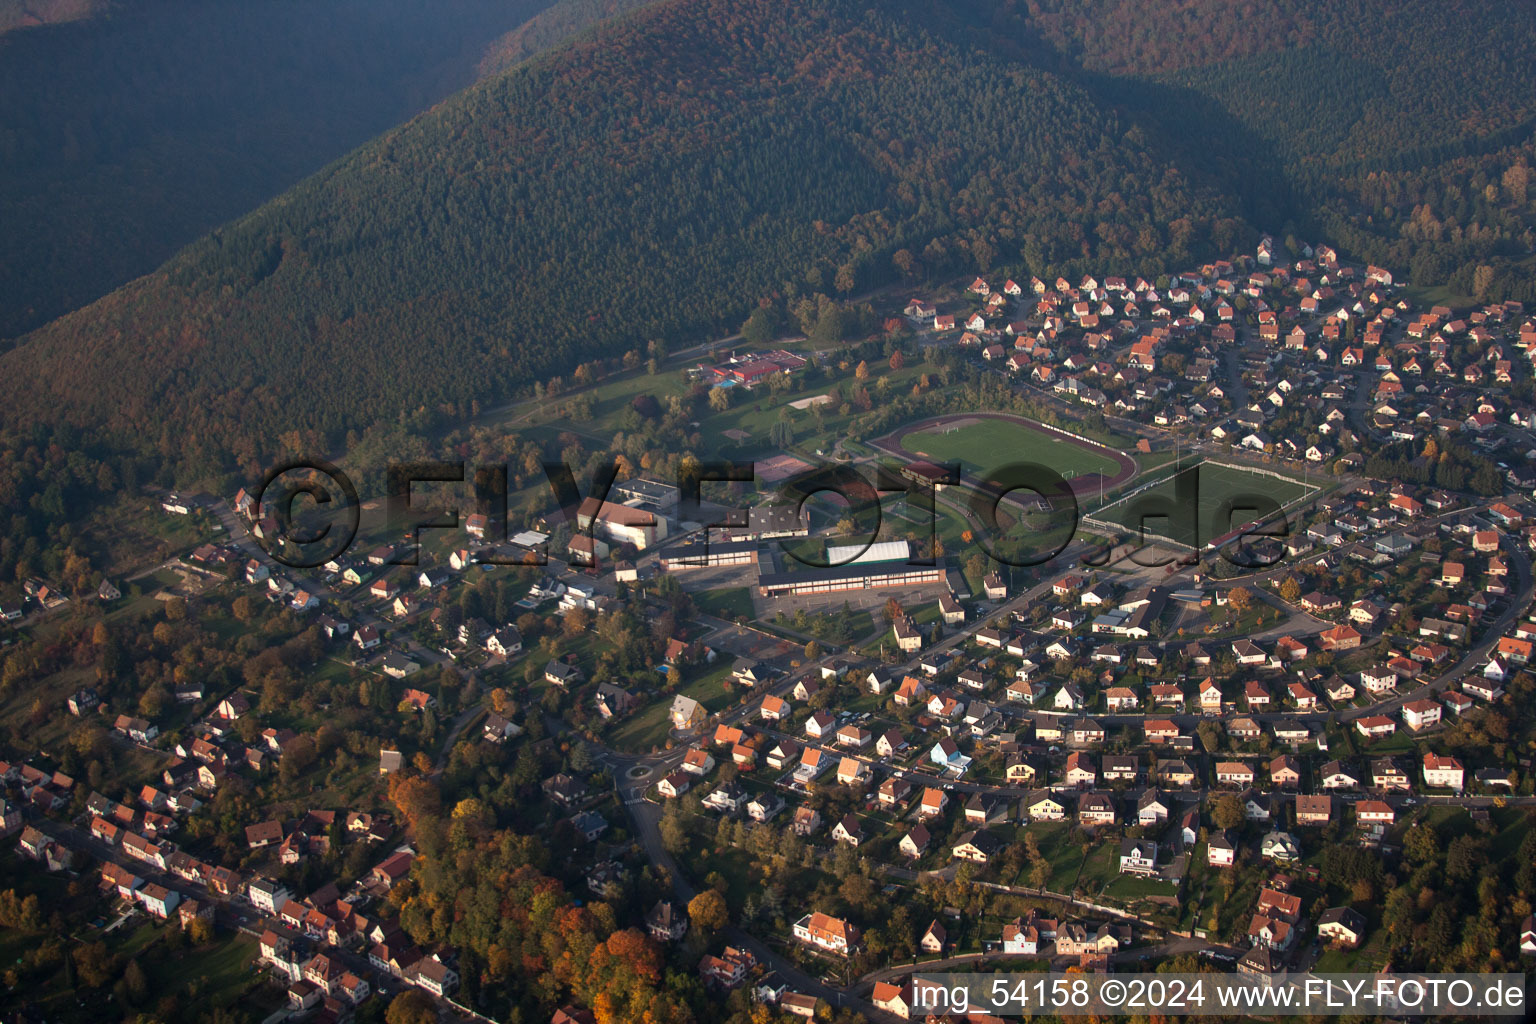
[1482, 280]
[1228, 812]
[94, 965]
[638, 952]
[134, 982]
[759, 327]
[576, 622]
[845, 279]
[21, 913]
[708, 911]
[472, 821]
[298, 755]
[412, 1006]
[415, 797]
[674, 835]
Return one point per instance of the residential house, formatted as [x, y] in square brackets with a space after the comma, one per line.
[1442, 772]
[831, 934]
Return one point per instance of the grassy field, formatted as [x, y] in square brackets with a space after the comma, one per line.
[217, 975]
[1437, 295]
[900, 520]
[1216, 488]
[752, 412]
[735, 866]
[1129, 888]
[726, 603]
[647, 728]
[1067, 859]
[1099, 868]
[986, 445]
[135, 533]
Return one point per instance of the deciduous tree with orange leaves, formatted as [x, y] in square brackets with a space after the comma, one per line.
[415, 797]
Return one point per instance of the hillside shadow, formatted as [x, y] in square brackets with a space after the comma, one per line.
[1199, 136]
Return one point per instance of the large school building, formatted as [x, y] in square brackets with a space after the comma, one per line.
[858, 576]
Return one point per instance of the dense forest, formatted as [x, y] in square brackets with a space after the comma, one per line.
[1403, 130]
[561, 20]
[16, 15]
[653, 183]
[127, 135]
[659, 177]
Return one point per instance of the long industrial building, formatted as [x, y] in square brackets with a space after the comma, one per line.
[859, 576]
[715, 553]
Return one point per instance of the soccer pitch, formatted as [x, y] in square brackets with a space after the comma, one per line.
[1209, 493]
[983, 446]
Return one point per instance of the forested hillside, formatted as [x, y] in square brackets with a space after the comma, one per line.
[17, 15]
[657, 177]
[648, 183]
[560, 21]
[1404, 129]
[126, 136]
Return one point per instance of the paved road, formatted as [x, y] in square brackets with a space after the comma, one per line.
[237, 532]
[236, 913]
[646, 816]
[460, 723]
[1477, 655]
[1173, 947]
[1473, 658]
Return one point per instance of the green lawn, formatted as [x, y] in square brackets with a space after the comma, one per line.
[1100, 867]
[1438, 295]
[1065, 857]
[1369, 957]
[215, 975]
[1130, 888]
[1513, 825]
[613, 397]
[726, 603]
[756, 411]
[1217, 486]
[734, 865]
[647, 728]
[1153, 460]
[133, 533]
[1197, 880]
[1334, 961]
[986, 445]
[1399, 742]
